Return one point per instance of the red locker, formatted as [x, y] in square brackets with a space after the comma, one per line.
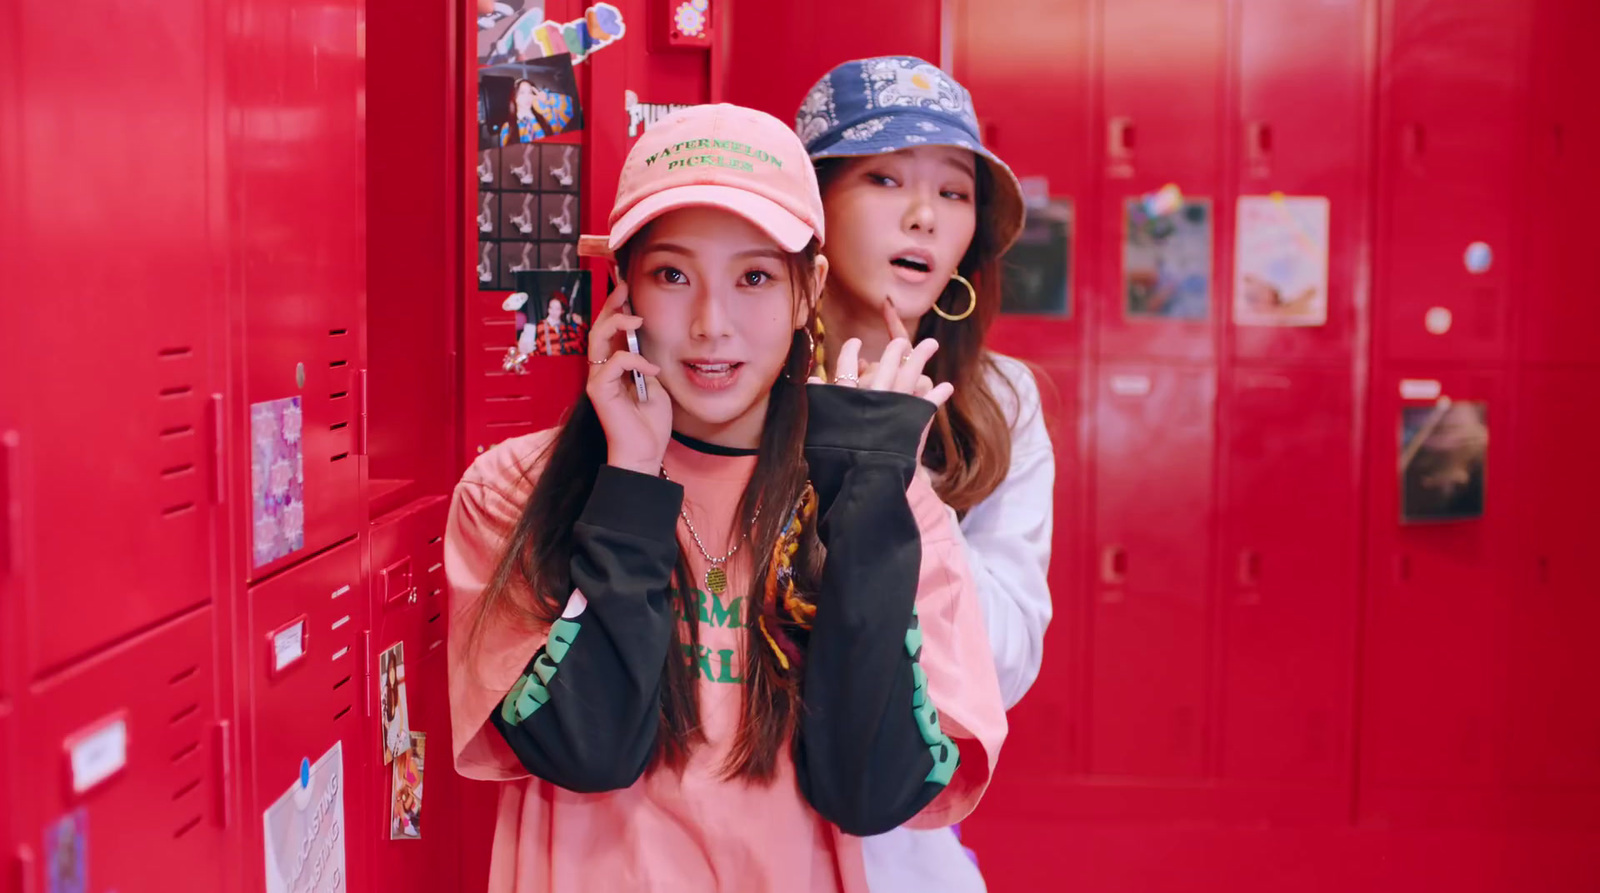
[1302, 130]
[1555, 742]
[408, 601]
[1162, 125]
[1149, 613]
[310, 672]
[128, 763]
[1451, 154]
[1562, 184]
[14, 854]
[1043, 742]
[1434, 654]
[298, 193]
[1289, 575]
[120, 329]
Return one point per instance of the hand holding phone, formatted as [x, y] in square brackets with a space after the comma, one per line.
[637, 428]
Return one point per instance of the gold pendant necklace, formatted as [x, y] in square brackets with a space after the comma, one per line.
[716, 578]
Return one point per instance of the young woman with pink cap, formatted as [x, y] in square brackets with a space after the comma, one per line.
[921, 212]
[711, 636]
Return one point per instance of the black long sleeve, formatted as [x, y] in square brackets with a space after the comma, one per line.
[863, 756]
[585, 713]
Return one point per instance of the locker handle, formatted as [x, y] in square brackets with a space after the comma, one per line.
[1249, 567]
[219, 465]
[1120, 139]
[1412, 143]
[224, 759]
[1258, 146]
[10, 503]
[1113, 565]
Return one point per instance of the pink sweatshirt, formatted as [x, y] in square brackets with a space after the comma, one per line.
[693, 831]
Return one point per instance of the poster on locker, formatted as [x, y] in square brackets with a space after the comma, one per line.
[405, 790]
[277, 480]
[305, 833]
[527, 102]
[1038, 268]
[1281, 261]
[1444, 457]
[1166, 260]
[392, 699]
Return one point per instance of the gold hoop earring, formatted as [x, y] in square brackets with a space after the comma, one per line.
[972, 303]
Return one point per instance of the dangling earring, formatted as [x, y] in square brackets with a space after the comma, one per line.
[972, 303]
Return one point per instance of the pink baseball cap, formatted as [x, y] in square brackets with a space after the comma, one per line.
[717, 156]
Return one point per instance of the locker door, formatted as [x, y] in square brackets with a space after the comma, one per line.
[1289, 579]
[407, 602]
[1149, 617]
[1562, 183]
[122, 330]
[303, 250]
[1451, 152]
[1162, 71]
[124, 760]
[306, 661]
[1435, 641]
[1555, 742]
[1302, 131]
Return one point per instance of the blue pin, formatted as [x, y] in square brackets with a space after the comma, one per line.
[305, 772]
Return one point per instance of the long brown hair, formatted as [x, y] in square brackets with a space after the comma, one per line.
[969, 448]
[532, 584]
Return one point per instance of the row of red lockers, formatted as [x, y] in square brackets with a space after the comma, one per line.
[136, 564]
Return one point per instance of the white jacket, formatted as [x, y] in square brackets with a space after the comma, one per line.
[1008, 546]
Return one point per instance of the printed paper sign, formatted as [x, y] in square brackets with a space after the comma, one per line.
[305, 830]
[1281, 261]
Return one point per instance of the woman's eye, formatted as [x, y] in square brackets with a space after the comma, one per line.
[670, 276]
[955, 196]
[756, 278]
[881, 180]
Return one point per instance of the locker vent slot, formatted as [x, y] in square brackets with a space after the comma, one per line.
[175, 391]
[340, 715]
[334, 364]
[434, 618]
[436, 540]
[184, 674]
[340, 591]
[178, 794]
[340, 457]
[338, 395]
[178, 509]
[176, 470]
[187, 827]
[341, 683]
[337, 425]
[341, 652]
[177, 431]
[185, 713]
[168, 353]
[184, 753]
[340, 622]
[337, 332]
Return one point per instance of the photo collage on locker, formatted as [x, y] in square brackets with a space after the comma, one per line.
[528, 198]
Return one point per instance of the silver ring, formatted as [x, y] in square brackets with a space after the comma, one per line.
[850, 378]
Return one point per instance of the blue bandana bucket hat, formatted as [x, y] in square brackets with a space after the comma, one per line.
[890, 103]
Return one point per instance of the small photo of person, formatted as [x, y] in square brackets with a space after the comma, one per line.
[396, 720]
[1444, 453]
[552, 309]
[527, 102]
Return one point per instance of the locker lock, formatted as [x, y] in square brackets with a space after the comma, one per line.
[299, 375]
